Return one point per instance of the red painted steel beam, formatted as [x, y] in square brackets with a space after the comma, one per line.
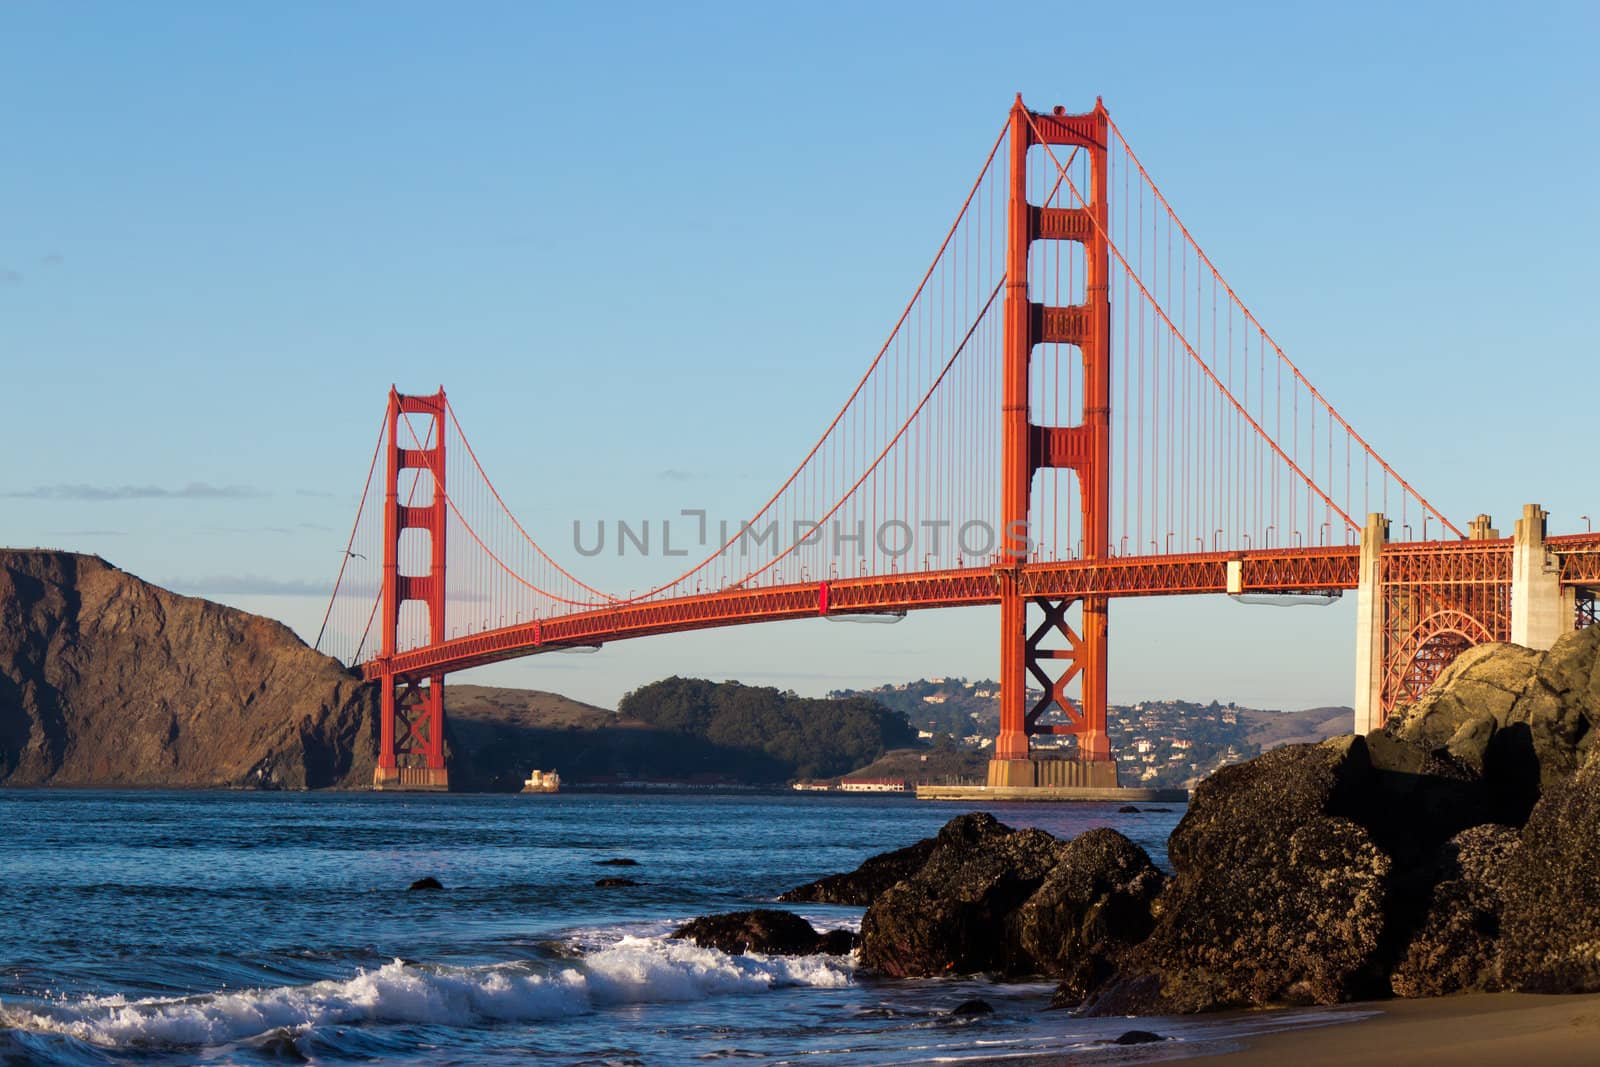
[1580, 559]
[1264, 571]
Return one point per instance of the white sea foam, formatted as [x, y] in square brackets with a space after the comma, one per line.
[634, 970]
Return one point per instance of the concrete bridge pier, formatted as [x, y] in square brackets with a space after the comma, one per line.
[1369, 626]
[1541, 611]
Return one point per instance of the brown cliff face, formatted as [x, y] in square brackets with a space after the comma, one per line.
[107, 680]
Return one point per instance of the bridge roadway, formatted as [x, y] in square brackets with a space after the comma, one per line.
[1276, 570]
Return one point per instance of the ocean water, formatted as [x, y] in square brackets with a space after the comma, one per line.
[248, 928]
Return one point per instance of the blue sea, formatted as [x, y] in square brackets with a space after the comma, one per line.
[253, 928]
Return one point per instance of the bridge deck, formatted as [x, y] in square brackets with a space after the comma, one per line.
[1291, 570]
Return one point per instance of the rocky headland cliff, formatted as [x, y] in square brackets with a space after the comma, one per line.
[106, 680]
[1455, 850]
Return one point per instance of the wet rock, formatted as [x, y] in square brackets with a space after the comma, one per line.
[615, 883]
[766, 930]
[1138, 1037]
[280, 1045]
[1456, 948]
[974, 1006]
[1127, 809]
[862, 886]
[422, 884]
[620, 861]
[1551, 919]
[1163, 810]
[838, 942]
[1279, 895]
[952, 915]
[1094, 904]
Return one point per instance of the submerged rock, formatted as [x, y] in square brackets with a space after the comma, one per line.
[429, 882]
[614, 883]
[766, 930]
[974, 1006]
[619, 861]
[1138, 1037]
[863, 885]
[281, 1044]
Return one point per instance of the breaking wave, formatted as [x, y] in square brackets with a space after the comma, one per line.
[634, 970]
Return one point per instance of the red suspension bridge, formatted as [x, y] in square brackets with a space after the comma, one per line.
[1073, 406]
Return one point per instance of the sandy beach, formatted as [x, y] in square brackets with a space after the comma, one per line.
[1500, 1028]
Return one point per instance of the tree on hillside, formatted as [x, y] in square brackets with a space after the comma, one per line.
[811, 737]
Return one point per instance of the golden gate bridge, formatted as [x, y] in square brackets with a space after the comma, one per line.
[1073, 406]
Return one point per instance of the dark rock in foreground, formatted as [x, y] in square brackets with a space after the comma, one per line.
[974, 1006]
[952, 915]
[421, 884]
[768, 931]
[1456, 947]
[1279, 896]
[1455, 850]
[1094, 904]
[1394, 863]
[1013, 902]
[863, 885]
[1551, 920]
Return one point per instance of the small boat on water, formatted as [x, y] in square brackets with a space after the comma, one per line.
[542, 782]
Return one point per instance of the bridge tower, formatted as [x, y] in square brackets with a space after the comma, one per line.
[411, 716]
[1026, 448]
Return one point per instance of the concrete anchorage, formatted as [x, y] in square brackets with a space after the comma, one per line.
[1541, 610]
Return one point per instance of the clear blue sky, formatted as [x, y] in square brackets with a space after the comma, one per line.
[632, 239]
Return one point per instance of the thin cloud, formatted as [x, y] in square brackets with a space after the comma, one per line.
[282, 531]
[321, 494]
[9, 276]
[54, 259]
[247, 585]
[673, 474]
[107, 493]
[359, 589]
